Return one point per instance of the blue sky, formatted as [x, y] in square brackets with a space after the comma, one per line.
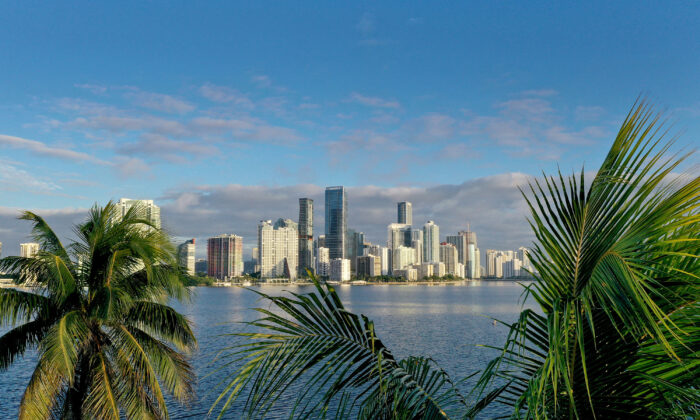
[165, 100]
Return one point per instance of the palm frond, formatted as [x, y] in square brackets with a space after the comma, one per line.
[313, 340]
[617, 264]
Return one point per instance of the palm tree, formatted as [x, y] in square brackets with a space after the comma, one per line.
[616, 335]
[99, 320]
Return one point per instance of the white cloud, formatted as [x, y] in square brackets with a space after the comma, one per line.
[373, 101]
[46, 150]
[13, 178]
[223, 94]
[131, 167]
[160, 102]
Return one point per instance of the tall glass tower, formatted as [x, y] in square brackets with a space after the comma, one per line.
[405, 212]
[336, 221]
[306, 235]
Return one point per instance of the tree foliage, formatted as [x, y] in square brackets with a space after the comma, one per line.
[99, 319]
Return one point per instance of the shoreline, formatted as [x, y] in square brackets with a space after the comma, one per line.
[368, 283]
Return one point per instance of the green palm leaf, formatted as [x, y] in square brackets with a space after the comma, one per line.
[617, 267]
[312, 339]
[99, 320]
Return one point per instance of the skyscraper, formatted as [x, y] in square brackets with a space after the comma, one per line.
[471, 265]
[225, 256]
[431, 242]
[460, 243]
[405, 213]
[278, 246]
[323, 263]
[147, 209]
[28, 250]
[448, 256]
[186, 256]
[336, 222]
[306, 235]
[0, 249]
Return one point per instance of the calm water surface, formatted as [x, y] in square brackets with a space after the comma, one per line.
[445, 322]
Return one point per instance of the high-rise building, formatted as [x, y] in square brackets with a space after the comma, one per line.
[336, 221]
[278, 245]
[146, 209]
[460, 243]
[306, 236]
[439, 269]
[323, 262]
[405, 213]
[186, 256]
[225, 256]
[200, 266]
[402, 257]
[0, 249]
[354, 246]
[340, 269]
[256, 259]
[465, 242]
[369, 266]
[448, 256]
[431, 242]
[28, 250]
[383, 253]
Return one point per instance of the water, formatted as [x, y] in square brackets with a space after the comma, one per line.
[445, 322]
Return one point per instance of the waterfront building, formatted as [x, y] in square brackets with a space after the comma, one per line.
[409, 273]
[414, 239]
[369, 266]
[477, 264]
[448, 256]
[336, 221]
[405, 213]
[354, 246]
[28, 250]
[278, 247]
[256, 259]
[248, 267]
[145, 209]
[431, 242]
[460, 244]
[459, 270]
[469, 254]
[402, 257]
[200, 266]
[424, 270]
[511, 268]
[225, 256]
[383, 253]
[439, 269]
[396, 235]
[306, 236]
[340, 269]
[323, 262]
[186, 256]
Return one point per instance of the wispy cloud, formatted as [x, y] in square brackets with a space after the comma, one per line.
[13, 178]
[160, 102]
[43, 149]
[224, 94]
[373, 101]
